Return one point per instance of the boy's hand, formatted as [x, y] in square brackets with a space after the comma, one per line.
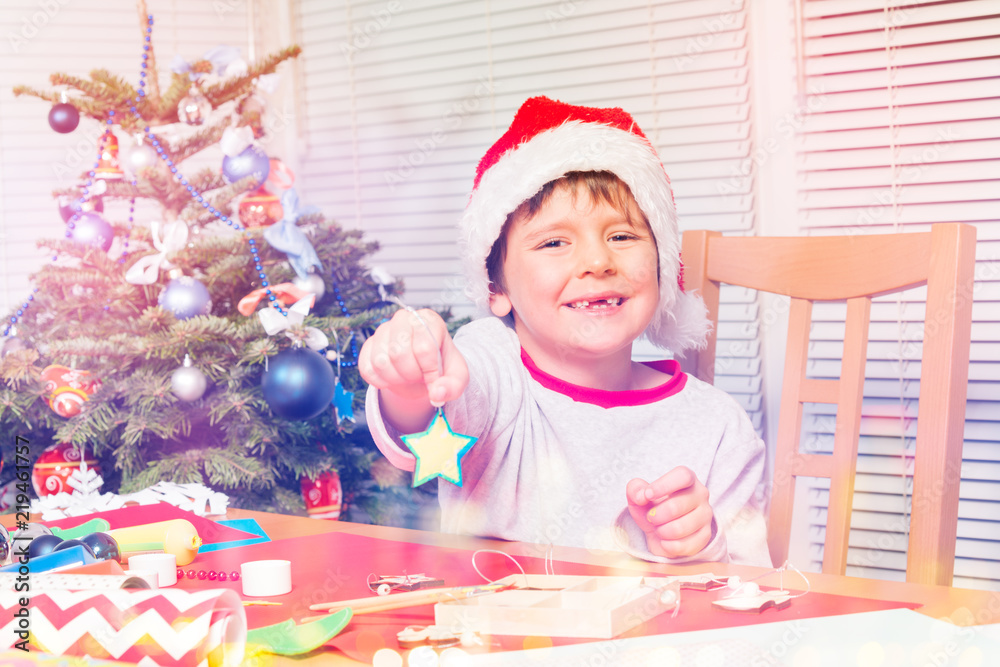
[673, 511]
[401, 358]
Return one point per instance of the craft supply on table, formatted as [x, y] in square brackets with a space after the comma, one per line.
[287, 638]
[746, 596]
[162, 627]
[164, 565]
[97, 525]
[57, 560]
[74, 582]
[385, 584]
[563, 606]
[177, 536]
[265, 578]
[372, 605]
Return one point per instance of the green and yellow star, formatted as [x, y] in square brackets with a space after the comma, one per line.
[439, 451]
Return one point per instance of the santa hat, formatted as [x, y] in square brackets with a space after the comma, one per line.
[549, 139]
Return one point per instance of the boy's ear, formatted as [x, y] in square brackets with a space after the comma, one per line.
[500, 304]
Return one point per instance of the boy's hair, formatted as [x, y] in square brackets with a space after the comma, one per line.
[603, 186]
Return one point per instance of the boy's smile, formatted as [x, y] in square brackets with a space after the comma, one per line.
[581, 281]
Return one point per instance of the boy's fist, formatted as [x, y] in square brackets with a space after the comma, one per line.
[402, 357]
[673, 511]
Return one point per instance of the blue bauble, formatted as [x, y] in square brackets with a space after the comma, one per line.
[5, 543]
[93, 230]
[185, 297]
[299, 384]
[103, 545]
[251, 162]
[43, 544]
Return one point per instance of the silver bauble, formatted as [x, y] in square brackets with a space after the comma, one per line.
[140, 156]
[187, 382]
[194, 108]
[312, 284]
[30, 531]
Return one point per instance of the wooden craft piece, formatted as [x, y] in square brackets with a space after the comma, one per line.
[562, 606]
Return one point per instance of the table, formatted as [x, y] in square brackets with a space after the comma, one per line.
[961, 606]
[287, 533]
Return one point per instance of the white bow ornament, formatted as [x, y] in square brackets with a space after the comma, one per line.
[147, 270]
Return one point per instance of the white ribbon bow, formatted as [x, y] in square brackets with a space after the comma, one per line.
[147, 270]
[235, 140]
[273, 322]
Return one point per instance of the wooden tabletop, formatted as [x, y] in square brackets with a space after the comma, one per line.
[961, 606]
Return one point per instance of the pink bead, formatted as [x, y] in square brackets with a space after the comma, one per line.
[234, 575]
[202, 575]
[191, 574]
[180, 573]
[223, 576]
[212, 575]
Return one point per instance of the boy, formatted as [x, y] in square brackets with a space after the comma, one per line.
[570, 240]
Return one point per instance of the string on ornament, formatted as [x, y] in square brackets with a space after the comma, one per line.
[179, 177]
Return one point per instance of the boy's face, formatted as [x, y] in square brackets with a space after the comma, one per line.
[581, 278]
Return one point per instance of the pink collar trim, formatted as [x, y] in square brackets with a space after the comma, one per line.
[612, 399]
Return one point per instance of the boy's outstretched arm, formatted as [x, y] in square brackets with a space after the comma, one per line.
[401, 360]
[673, 511]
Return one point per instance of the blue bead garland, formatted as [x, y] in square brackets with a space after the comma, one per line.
[346, 313]
[197, 196]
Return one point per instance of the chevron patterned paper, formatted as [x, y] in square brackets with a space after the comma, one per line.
[150, 627]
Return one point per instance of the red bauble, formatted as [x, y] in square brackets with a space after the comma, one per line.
[54, 467]
[323, 496]
[68, 389]
[260, 208]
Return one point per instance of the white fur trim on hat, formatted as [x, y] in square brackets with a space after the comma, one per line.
[680, 322]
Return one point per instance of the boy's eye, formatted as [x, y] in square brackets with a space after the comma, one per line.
[623, 237]
[551, 243]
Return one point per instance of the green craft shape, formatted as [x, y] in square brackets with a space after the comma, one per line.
[92, 526]
[286, 638]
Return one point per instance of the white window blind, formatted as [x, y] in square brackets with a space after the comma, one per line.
[402, 99]
[902, 133]
[39, 38]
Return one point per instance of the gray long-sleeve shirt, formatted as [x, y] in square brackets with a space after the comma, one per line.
[553, 459]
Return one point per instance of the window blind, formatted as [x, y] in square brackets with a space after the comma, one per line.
[40, 38]
[905, 111]
[402, 99]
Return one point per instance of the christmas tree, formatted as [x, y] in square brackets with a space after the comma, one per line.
[217, 345]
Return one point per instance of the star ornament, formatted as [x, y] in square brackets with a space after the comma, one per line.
[439, 451]
[343, 403]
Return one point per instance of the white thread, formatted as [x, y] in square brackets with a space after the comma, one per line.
[502, 553]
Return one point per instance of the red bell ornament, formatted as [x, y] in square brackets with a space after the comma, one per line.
[53, 468]
[108, 167]
[323, 496]
[68, 389]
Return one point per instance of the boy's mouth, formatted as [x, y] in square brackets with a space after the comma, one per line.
[597, 304]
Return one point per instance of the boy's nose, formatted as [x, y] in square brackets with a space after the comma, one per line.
[596, 258]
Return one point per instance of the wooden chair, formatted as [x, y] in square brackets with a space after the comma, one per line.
[856, 268]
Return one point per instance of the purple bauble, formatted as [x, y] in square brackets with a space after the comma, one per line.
[251, 162]
[299, 384]
[63, 117]
[185, 297]
[68, 206]
[93, 230]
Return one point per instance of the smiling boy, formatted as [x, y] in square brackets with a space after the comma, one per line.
[570, 239]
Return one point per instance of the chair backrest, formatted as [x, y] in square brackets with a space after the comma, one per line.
[854, 269]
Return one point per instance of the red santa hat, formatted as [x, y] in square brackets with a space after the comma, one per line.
[549, 139]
